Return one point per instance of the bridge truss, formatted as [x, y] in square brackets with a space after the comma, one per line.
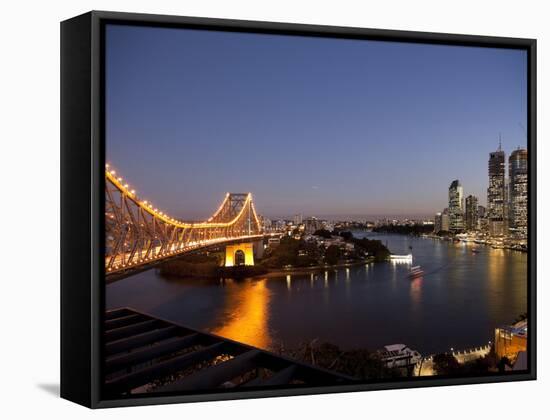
[137, 234]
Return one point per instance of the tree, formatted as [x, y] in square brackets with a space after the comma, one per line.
[323, 233]
[332, 254]
[291, 251]
[372, 247]
[446, 364]
[347, 235]
[502, 363]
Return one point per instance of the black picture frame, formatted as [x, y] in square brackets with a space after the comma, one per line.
[83, 185]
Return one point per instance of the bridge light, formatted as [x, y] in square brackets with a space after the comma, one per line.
[113, 172]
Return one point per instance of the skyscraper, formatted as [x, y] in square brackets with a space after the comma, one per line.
[517, 173]
[471, 213]
[456, 207]
[445, 220]
[481, 211]
[437, 223]
[482, 222]
[496, 193]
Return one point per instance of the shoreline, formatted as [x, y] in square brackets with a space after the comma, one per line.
[280, 272]
[490, 245]
[452, 239]
[315, 269]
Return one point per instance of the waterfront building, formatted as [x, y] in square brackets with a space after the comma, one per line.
[481, 211]
[517, 173]
[510, 340]
[445, 221]
[471, 219]
[437, 223]
[273, 242]
[441, 222]
[496, 193]
[456, 207]
[482, 221]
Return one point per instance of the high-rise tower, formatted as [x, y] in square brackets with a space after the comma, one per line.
[456, 207]
[471, 213]
[496, 193]
[517, 173]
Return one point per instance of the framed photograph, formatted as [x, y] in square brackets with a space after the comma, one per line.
[254, 209]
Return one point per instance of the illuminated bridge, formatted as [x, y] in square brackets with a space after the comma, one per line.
[138, 235]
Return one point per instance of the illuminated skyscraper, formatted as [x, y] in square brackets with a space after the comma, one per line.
[456, 207]
[445, 220]
[496, 193]
[437, 223]
[482, 222]
[517, 172]
[471, 213]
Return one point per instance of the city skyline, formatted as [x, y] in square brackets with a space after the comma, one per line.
[313, 126]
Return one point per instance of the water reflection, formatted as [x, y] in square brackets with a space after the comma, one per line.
[247, 314]
[416, 292]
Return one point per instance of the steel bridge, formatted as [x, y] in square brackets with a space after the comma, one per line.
[138, 235]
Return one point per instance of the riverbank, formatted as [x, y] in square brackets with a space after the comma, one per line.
[186, 270]
[493, 243]
[315, 269]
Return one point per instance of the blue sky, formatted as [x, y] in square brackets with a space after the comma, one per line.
[309, 125]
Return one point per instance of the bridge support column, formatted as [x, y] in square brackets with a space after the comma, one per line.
[239, 254]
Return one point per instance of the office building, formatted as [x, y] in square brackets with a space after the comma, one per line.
[456, 207]
[496, 193]
[517, 173]
[471, 214]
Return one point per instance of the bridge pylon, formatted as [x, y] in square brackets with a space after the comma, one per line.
[239, 254]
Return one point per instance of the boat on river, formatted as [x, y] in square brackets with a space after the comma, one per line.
[399, 356]
[415, 272]
[404, 258]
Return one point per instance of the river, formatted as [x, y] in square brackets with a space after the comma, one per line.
[457, 304]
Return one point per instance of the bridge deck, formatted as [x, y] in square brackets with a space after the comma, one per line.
[145, 354]
[157, 257]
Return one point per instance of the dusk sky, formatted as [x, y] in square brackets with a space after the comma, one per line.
[319, 126]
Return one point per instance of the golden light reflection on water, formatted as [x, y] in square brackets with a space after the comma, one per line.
[499, 274]
[496, 265]
[416, 292]
[247, 314]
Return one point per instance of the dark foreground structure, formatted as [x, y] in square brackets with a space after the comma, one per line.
[145, 354]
